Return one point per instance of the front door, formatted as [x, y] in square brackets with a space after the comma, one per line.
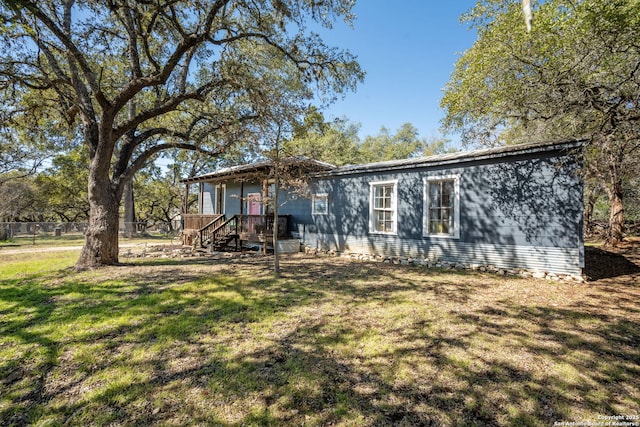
[253, 200]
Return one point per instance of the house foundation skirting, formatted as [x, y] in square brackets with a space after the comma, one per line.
[524, 273]
[534, 259]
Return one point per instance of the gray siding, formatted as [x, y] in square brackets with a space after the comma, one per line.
[233, 199]
[298, 207]
[522, 211]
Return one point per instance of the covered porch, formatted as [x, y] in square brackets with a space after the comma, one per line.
[221, 232]
[235, 206]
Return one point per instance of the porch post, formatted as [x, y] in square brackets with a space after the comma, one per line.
[185, 211]
[264, 214]
[185, 203]
[241, 205]
[241, 195]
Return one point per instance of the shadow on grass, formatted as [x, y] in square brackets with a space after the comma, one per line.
[603, 264]
[45, 315]
[167, 342]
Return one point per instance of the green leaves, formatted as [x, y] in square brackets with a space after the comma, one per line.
[338, 142]
[569, 68]
[190, 67]
[576, 75]
[132, 79]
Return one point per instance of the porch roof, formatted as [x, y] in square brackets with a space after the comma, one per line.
[262, 168]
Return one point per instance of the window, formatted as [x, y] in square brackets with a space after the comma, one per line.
[442, 207]
[320, 204]
[383, 203]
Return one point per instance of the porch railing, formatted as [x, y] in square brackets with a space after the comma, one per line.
[263, 225]
[198, 222]
[212, 231]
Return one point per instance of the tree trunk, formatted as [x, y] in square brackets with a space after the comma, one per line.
[276, 252]
[591, 199]
[588, 217]
[616, 217]
[129, 206]
[101, 238]
[129, 209]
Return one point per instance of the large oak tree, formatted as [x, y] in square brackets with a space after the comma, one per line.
[576, 74]
[135, 78]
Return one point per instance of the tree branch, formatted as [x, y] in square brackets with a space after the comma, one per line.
[188, 43]
[74, 52]
[142, 160]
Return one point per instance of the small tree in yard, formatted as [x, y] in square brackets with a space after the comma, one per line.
[276, 126]
[18, 196]
[138, 78]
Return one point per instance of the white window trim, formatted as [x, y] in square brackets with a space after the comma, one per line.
[394, 206]
[224, 198]
[456, 206]
[324, 196]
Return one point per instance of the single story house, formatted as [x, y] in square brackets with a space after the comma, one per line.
[510, 207]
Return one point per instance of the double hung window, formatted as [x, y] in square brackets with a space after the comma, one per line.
[442, 207]
[383, 217]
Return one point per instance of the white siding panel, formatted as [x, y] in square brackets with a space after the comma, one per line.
[208, 199]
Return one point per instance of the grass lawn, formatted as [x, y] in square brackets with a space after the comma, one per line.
[162, 342]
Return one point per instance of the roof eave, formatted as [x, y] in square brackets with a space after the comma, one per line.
[252, 170]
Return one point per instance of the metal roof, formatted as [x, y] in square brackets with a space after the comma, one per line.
[453, 158]
[320, 169]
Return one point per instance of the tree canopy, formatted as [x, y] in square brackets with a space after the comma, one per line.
[404, 143]
[334, 142]
[133, 79]
[576, 75]
[62, 188]
[338, 143]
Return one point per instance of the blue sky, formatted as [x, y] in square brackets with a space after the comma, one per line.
[408, 49]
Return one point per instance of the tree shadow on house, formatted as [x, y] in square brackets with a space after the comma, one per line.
[517, 212]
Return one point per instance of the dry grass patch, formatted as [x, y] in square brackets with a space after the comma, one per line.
[328, 343]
